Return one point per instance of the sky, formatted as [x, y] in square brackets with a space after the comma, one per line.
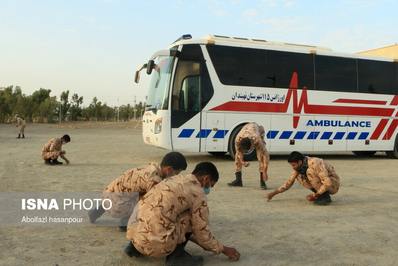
[93, 47]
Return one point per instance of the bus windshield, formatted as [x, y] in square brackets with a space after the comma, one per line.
[159, 84]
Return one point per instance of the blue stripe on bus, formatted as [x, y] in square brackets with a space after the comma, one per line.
[220, 134]
[203, 133]
[339, 135]
[186, 133]
[286, 134]
[351, 135]
[300, 135]
[272, 134]
[326, 135]
[363, 135]
[313, 135]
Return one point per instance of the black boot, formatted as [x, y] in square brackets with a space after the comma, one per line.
[55, 161]
[263, 185]
[323, 199]
[23, 136]
[95, 213]
[131, 251]
[238, 180]
[179, 257]
[19, 136]
[123, 224]
[48, 161]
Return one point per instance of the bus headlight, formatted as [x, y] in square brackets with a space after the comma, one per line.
[158, 126]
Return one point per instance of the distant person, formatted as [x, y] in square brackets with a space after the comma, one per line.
[250, 137]
[174, 212]
[125, 190]
[53, 149]
[314, 174]
[21, 123]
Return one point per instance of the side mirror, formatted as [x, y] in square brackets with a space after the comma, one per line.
[137, 73]
[137, 76]
[150, 66]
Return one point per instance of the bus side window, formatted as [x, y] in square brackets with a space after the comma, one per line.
[190, 90]
[186, 88]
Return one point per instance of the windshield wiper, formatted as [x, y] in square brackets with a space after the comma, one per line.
[150, 108]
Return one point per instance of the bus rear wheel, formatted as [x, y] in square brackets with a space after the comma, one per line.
[364, 153]
[394, 153]
[217, 153]
[250, 156]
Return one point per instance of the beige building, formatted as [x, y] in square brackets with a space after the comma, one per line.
[390, 51]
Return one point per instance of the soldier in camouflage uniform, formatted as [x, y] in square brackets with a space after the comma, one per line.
[53, 149]
[124, 191]
[173, 212]
[21, 123]
[313, 173]
[251, 136]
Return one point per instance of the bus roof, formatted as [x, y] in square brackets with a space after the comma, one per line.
[280, 46]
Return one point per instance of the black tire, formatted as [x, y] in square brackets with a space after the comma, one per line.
[251, 156]
[364, 153]
[217, 153]
[394, 153]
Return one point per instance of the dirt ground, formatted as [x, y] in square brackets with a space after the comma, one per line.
[359, 228]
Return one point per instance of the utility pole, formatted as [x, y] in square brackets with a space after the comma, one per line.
[60, 112]
[135, 107]
[118, 110]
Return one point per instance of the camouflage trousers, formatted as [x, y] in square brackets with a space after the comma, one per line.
[156, 244]
[123, 203]
[52, 155]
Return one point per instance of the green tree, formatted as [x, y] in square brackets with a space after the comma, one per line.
[75, 109]
[65, 105]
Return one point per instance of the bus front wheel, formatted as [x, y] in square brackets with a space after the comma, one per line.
[394, 153]
[250, 156]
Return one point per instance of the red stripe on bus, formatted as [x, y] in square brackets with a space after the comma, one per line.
[379, 129]
[394, 100]
[391, 130]
[308, 109]
[354, 101]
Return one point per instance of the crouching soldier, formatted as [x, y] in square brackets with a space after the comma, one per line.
[251, 137]
[53, 149]
[21, 123]
[172, 213]
[124, 191]
[314, 174]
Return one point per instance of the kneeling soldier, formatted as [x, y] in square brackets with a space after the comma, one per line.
[174, 212]
[125, 190]
[314, 174]
[53, 149]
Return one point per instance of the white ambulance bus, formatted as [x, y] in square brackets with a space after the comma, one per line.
[307, 98]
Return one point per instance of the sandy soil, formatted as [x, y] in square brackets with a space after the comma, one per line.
[359, 228]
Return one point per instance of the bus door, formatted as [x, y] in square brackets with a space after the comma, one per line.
[186, 133]
[215, 124]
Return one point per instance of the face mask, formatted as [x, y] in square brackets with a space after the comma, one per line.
[206, 190]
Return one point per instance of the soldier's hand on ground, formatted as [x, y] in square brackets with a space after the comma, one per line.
[311, 197]
[67, 161]
[231, 253]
